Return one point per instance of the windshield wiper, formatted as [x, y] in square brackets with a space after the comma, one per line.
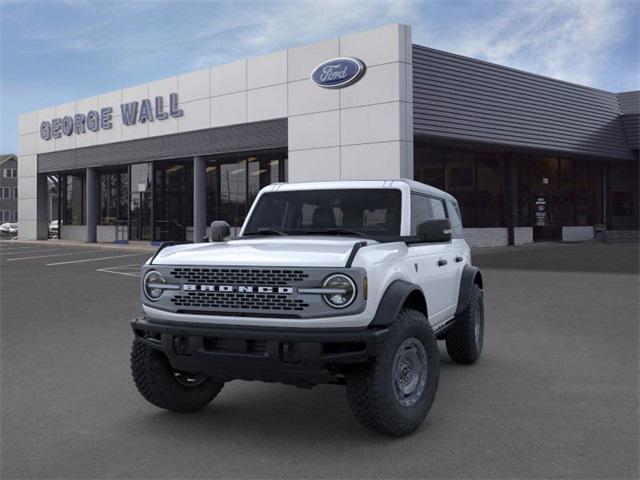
[266, 231]
[337, 231]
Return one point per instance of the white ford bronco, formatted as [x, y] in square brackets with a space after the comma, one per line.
[347, 282]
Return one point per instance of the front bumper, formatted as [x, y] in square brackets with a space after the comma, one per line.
[302, 357]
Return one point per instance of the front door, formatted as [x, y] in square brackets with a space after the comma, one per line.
[546, 201]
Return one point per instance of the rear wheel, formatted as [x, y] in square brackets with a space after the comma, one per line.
[466, 337]
[394, 393]
[165, 387]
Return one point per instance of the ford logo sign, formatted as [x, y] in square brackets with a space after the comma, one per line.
[338, 73]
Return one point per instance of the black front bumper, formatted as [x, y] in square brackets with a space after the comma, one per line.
[300, 357]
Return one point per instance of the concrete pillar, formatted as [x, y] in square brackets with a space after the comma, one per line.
[199, 198]
[42, 215]
[91, 205]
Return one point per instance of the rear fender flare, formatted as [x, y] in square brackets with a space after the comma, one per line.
[470, 275]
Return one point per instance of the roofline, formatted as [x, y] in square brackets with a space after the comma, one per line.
[486, 62]
[11, 156]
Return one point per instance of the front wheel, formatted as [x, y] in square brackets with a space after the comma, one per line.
[167, 388]
[393, 394]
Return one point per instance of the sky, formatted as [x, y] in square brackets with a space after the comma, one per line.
[55, 51]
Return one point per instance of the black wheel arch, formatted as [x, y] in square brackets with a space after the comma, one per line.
[399, 294]
[470, 276]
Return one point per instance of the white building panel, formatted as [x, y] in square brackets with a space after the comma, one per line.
[229, 78]
[267, 70]
[229, 109]
[267, 103]
[194, 85]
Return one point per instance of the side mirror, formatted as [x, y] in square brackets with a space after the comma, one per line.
[219, 231]
[434, 231]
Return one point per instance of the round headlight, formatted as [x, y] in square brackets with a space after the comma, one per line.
[151, 288]
[344, 291]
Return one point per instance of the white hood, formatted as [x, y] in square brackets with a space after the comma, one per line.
[310, 251]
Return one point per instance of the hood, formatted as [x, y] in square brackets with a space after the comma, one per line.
[310, 251]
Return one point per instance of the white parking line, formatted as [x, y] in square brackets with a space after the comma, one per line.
[34, 250]
[93, 259]
[20, 249]
[52, 255]
[114, 270]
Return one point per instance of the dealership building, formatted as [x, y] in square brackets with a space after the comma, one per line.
[529, 158]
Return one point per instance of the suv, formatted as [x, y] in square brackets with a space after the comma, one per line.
[346, 282]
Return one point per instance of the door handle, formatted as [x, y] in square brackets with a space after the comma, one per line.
[459, 259]
[442, 262]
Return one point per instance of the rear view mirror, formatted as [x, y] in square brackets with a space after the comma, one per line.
[434, 231]
[219, 231]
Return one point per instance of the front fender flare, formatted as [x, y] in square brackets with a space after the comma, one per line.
[394, 298]
[470, 275]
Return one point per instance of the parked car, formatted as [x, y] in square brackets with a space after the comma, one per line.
[54, 229]
[9, 229]
[348, 283]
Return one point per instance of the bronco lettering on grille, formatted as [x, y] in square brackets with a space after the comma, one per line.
[237, 289]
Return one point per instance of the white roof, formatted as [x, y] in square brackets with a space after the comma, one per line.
[328, 185]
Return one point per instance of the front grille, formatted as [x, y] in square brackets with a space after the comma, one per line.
[238, 301]
[242, 276]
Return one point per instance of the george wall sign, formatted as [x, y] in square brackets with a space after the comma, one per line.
[339, 72]
[94, 120]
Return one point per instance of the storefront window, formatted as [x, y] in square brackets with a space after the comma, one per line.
[491, 199]
[523, 179]
[113, 195]
[460, 181]
[234, 182]
[73, 199]
[173, 200]
[429, 167]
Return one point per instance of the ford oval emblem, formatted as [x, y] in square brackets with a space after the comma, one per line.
[338, 72]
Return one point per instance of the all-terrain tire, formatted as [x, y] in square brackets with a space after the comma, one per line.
[156, 381]
[465, 338]
[372, 388]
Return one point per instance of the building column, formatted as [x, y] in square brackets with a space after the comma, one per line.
[41, 207]
[199, 199]
[91, 207]
[512, 198]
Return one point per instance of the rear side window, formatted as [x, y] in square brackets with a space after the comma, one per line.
[420, 211]
[437, 209]
[456, 222]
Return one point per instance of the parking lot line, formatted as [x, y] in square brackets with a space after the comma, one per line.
[114, 270]
[93, 259]
[34, 250]
[52, 255]
[20, 249]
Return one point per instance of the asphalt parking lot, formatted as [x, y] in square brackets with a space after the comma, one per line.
[555, 394]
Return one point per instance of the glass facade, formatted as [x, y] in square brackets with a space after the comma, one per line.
[113, 197]
[154, 201]
[501, 189]
[73, 200]
[172, 199]
[234, 181]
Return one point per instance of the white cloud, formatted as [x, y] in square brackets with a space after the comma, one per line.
[569, 40]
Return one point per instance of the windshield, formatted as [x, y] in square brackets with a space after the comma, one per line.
[357, 212]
